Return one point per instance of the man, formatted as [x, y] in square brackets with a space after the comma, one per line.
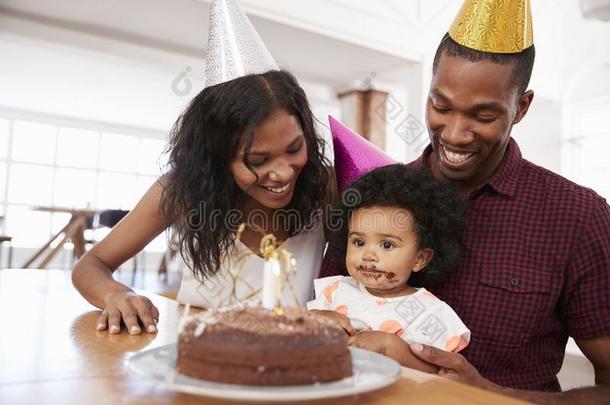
[535, 255]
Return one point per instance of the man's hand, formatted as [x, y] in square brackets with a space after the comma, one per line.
[452, 365]
[455, 367]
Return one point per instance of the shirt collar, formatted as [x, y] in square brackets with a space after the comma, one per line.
[503, 181]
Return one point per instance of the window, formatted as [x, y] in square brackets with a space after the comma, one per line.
[118, 153]
[28, 228]
[115, 190]
[4, 129]
[74, 165]
[30, 184]
[28, 134]
[2, 181]
[74, 188]
[150, 156]
[77, 148]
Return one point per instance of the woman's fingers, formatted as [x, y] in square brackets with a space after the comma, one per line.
[145, 313]
[102, 321]
[155, 313]
[136, 312]
[130, 318]
[114, 320]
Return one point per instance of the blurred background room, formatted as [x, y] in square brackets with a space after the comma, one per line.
[89, 91]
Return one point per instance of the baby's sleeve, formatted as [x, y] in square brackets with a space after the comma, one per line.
[458, 335]
[324, 289]
[438, 326]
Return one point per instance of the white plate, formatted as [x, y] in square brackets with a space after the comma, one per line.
[371, 371]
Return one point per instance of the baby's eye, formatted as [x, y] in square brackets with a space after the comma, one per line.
[387, 245]
[358, 242]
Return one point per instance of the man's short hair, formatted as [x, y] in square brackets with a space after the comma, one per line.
[523, 62]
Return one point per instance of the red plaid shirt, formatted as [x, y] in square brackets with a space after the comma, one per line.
[534, 268]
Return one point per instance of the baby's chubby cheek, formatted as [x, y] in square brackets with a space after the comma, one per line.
[352, 261]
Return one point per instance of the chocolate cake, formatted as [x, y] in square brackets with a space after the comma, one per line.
[252, 346]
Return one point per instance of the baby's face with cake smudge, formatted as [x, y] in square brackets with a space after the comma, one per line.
[383, 250]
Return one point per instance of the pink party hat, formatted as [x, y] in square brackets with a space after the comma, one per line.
[354, 155]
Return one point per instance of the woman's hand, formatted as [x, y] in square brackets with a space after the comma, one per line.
[134, 310]
[392, 346]
[339, 318]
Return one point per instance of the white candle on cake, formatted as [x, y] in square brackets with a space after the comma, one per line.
[271, 282]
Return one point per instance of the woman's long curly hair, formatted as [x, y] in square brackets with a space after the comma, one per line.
[200, 197]
[437, 210]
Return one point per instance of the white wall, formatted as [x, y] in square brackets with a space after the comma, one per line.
[50, 78]
[539, 134]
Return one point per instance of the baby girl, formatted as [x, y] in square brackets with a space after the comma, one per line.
[401, 233]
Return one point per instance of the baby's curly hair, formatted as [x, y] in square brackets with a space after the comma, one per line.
[437, 210]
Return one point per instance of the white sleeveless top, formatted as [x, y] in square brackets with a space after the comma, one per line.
[230, 285]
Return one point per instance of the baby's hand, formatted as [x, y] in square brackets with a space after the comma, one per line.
[373, 341]
[392, 346]
[340, 319]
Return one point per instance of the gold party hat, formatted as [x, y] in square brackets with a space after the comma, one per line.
[497, 26]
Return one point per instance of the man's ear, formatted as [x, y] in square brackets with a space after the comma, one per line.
[523, 105]
[423, 258]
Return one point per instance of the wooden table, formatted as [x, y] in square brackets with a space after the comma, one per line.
[73, 231]
[50, 353]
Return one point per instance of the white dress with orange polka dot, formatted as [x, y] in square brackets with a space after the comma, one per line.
[419, 317]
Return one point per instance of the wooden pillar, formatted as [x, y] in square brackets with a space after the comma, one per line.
[364, 111]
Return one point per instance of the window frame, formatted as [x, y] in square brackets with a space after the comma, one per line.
[13, 115]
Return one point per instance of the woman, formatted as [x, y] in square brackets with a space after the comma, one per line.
[245, 150]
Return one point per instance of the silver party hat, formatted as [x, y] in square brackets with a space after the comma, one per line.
[234, 47]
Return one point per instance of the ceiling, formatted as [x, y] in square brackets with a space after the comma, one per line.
[180, 27]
